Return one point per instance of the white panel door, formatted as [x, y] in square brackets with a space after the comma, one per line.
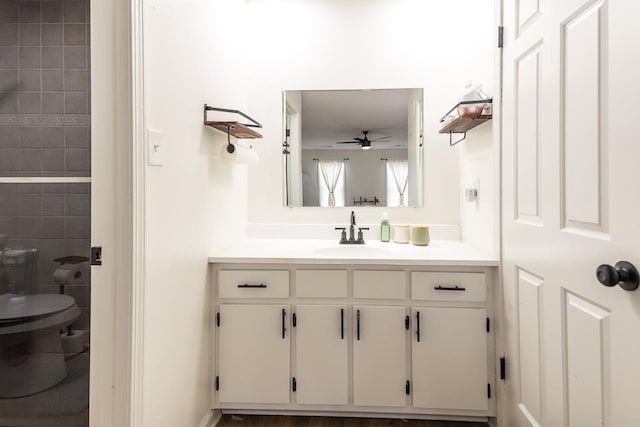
[569, 167]
[379, 356]
[322, 360]
[449, 358]
[254, 353]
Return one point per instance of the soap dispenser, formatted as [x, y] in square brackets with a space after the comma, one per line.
[385, 228]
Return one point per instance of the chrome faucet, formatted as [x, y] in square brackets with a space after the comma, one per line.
[352, 226]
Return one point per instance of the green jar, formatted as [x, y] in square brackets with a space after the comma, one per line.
[420, 235]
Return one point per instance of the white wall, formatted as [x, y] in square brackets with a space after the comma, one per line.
[329, 44]
[195, 204]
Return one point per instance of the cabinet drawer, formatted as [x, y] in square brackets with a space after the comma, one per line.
[379, 284]
[448, 286]
[253, 284]
[321, 283]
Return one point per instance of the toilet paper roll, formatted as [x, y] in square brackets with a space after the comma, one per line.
[67, 273]
[241, 155]
[74, 343]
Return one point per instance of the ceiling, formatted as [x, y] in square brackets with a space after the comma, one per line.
[329, 116]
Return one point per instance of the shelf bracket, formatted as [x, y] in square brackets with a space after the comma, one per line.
[253, 123]
[451, 143]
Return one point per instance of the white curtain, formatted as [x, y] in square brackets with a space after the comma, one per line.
[397, 182]
[331, 182]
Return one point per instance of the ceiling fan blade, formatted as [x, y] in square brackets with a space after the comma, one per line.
[380, 139]
[348, 142]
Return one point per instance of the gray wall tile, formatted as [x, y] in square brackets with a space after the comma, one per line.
[30, 160]
[53, 160]
[75, 34]
[75, 11]
[52, 103]
[9, 11]
[30, 204]
[9, 103]
[30, 57]
[52, 11]
[9, 203]
[76, 137]
[52, 80]
[77, 227]
[9, 57]
[76, 103]
[53, 204]
[30, 80]
[78, 160]
[10, 226]
[52, 57]
[75, 57]
[30, 34]
[30, 137]
[53, 227]
[58, 188]
[77, 188]
[75, 80]
[9, 79]
[52, 35]
[9, 159]
[78, 205]
[31, 227]
[9, 34]
[53, 137]
[29, 11]
[30, 102]
[77, 246]
[9, 137]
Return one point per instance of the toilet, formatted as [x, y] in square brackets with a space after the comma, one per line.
[31, 353]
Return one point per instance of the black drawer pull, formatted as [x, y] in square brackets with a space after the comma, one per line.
[418, 326]
[284, 312]
[342, 323]
[449, 288]
[358, 325]
[246, 285]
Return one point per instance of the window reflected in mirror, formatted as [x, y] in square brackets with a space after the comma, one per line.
[353, 148]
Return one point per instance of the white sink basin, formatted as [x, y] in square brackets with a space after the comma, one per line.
[355, 251]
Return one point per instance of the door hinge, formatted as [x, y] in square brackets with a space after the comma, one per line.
[503, 368]
[407, 388]
[96, 255]
[218, 319]
[288, 133]
[488, 391]
[500, 36]
[488, 325]
[217, 383]
[294, 385]
[294, 320]
[406, 322]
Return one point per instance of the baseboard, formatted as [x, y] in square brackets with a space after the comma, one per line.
[211, 418]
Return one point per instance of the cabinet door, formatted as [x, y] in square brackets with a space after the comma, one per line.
[321, 355]
[379, 356]
[253, 355]
[450, 358]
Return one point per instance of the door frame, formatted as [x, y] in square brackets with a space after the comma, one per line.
[118, 207]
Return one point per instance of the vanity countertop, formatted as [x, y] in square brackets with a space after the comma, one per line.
[286, 251]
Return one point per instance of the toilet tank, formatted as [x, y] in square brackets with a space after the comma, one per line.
[17, 270]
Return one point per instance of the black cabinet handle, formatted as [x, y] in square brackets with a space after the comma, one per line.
[358, 325]
[449, 288]
[342, 323]
[284, 312]
[418, 326]
[246, 285]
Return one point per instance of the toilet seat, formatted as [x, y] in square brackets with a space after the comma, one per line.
[24, 313]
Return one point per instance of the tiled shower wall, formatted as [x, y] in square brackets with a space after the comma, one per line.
[44, 132]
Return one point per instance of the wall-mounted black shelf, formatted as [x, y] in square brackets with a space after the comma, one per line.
[233, 128]
[464, 123]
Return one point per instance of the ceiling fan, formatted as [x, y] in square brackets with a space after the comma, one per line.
[365, 143]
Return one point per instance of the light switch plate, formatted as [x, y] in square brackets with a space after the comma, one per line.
[154, 147]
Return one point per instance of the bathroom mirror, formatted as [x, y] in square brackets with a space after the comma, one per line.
[352, 148]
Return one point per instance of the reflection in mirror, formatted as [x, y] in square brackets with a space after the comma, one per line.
[353, 147]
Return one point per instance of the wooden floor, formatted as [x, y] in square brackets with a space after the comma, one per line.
[294, 421]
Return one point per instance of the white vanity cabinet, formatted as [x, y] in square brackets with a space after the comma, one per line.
[399, 339]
